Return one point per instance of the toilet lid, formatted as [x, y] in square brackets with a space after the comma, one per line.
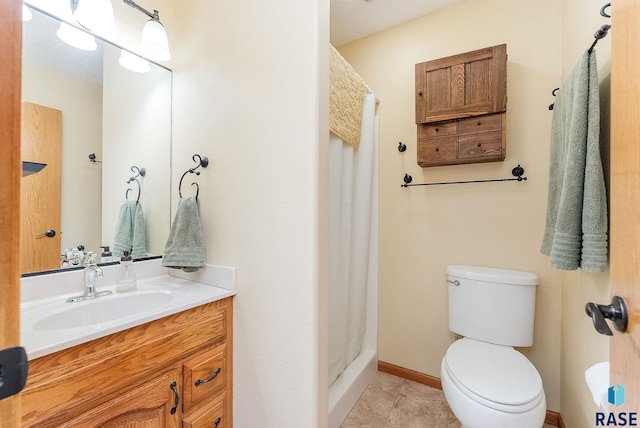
[495, 373]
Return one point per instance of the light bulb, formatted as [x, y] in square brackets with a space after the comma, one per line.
[76, 37]
[154, 43]
[96, 16]
[133, 62]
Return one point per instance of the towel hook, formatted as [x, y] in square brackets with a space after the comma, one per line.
[140, 172]
[554, 94]
[602, 10]
[202, 161]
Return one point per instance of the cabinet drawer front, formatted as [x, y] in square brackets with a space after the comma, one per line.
[438, 130]
[483, 146]
[204, 376]
[212, 416]
[436, 152]
[492, 122]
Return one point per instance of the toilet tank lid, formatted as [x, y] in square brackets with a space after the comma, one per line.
[481, 273]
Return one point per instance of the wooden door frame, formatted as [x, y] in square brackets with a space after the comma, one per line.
[10, 174]
[625, 185]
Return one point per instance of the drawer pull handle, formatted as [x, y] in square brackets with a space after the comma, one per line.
[217, 422]
[174, 387]
[215, 375]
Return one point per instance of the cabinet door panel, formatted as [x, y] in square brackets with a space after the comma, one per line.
[468, 84]
[148, 406]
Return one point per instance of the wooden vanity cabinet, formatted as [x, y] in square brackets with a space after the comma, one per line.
[172, 372]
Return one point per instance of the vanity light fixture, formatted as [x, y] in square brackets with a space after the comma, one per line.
[76, 37]
[133, 62]
[154, 43]
[95, 15]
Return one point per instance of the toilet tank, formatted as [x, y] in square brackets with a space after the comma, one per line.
[492, 305]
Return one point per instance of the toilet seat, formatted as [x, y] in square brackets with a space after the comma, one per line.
[495, 376]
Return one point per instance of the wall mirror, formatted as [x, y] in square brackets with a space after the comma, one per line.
[95, 124]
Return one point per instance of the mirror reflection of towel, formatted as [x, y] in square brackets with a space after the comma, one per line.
[130, 231]
[185, 245]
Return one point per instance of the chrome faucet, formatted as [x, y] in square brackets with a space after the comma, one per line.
[91, 273]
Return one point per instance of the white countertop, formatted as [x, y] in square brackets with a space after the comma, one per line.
[44, 297]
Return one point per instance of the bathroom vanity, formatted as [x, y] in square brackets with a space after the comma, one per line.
[171, 371]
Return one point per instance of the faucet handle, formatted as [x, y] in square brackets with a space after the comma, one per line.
[90, 259]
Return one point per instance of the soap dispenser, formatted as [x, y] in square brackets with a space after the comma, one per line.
[127, 276]
[106, 256]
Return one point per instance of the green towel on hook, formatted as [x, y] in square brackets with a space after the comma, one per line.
[576, 225]
[185, 245]
[130, 231]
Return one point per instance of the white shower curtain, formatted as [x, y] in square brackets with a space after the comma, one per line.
[352, 174]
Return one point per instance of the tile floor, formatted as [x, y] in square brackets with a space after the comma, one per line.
[394, 402]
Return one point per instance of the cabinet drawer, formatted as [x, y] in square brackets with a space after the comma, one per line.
[212, 416]
[441, 151]
[491, 122]
[481, 146]
[205, 376]
[438, 130]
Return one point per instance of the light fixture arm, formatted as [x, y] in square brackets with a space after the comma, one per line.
[155, 15]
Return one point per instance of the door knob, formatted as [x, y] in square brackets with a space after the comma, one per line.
[616, 312]
[49, 234]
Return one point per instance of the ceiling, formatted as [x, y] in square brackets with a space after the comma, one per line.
[354, 19]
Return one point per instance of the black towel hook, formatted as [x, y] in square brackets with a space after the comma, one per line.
[202, 161]
[554, 94]
[602, 10]
[140, 172]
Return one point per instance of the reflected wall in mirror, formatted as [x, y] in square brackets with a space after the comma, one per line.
[124, 117]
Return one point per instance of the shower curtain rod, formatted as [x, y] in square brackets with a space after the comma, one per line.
[516, 172]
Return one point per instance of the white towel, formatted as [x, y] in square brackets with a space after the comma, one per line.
[576, 226]
[185, 245]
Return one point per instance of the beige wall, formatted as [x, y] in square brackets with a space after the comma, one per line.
[423, 229]
[251, 93]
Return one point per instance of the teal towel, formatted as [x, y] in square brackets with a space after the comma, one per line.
[130, 231]
[185, 245]
[576, 225]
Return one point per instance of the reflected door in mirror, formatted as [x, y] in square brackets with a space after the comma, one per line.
[40, 193]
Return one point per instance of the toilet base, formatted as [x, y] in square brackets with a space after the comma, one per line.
[471, 414]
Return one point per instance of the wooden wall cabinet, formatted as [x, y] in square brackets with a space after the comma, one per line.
[172, 372]
[461, 104]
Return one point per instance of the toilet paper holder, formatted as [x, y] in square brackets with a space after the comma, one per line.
[616, 312]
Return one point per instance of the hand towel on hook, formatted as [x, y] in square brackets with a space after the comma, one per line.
[130, 231]
[185, 245]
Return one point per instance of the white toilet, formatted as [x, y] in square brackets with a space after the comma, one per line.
[486, 382]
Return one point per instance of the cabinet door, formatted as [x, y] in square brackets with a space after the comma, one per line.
[147, 406]
[468, 84]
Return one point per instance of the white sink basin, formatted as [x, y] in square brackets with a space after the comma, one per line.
[51, 324]
[103, 309]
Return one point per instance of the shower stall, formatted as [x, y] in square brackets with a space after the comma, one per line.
[353, 265]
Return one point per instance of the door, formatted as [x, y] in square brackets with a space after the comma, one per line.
[40, 193]
[10, 175]
[625, 193]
